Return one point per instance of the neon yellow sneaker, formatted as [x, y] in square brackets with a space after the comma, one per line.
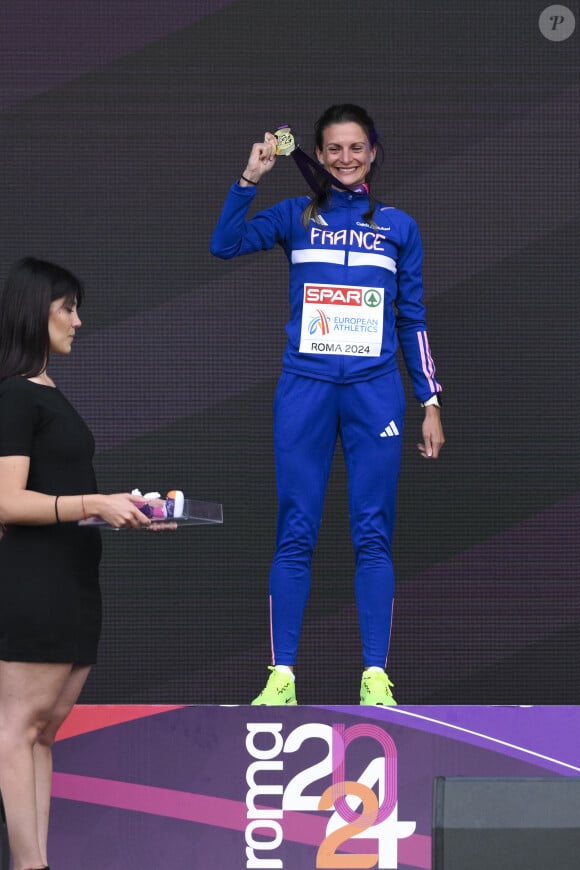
[375, 689]
[279, 691]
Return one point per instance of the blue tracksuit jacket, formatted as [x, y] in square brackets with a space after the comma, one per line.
[344, 252]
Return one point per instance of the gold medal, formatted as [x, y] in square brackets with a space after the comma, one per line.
[285, 141]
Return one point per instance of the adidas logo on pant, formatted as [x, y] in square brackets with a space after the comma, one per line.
[390, 430]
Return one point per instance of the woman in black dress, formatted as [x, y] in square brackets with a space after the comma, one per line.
[50, 603]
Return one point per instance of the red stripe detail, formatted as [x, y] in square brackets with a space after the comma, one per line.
[88, 717]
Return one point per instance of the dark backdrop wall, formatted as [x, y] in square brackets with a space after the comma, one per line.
[123, 124]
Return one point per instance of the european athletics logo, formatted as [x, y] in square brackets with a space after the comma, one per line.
[320, 320]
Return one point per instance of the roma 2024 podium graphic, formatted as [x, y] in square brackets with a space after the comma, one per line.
[241, 788]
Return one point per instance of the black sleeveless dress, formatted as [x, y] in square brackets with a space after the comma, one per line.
[50, 601]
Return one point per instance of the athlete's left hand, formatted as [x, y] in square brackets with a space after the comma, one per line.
[433, 437]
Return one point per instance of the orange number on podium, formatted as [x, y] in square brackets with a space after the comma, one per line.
[326, 856]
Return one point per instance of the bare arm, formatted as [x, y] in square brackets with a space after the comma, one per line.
[22, 506]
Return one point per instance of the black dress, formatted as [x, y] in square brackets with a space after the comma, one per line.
[50, 601]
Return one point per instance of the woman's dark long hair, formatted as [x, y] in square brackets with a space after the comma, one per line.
[342, 113]
[30, 288]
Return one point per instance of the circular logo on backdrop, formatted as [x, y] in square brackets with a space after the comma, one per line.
[557, 23]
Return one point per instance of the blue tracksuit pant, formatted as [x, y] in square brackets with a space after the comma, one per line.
[309, 415]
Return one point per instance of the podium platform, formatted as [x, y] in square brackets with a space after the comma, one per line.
[230, 788]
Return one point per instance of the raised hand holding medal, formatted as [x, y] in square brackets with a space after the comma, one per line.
[312, 170]
[282, 143]
[261, 160]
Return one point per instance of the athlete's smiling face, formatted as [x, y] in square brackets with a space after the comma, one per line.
[346, 152]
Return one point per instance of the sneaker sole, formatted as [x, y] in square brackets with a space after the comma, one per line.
[264, 704]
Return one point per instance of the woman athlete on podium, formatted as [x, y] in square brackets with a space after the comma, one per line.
[356, 296]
